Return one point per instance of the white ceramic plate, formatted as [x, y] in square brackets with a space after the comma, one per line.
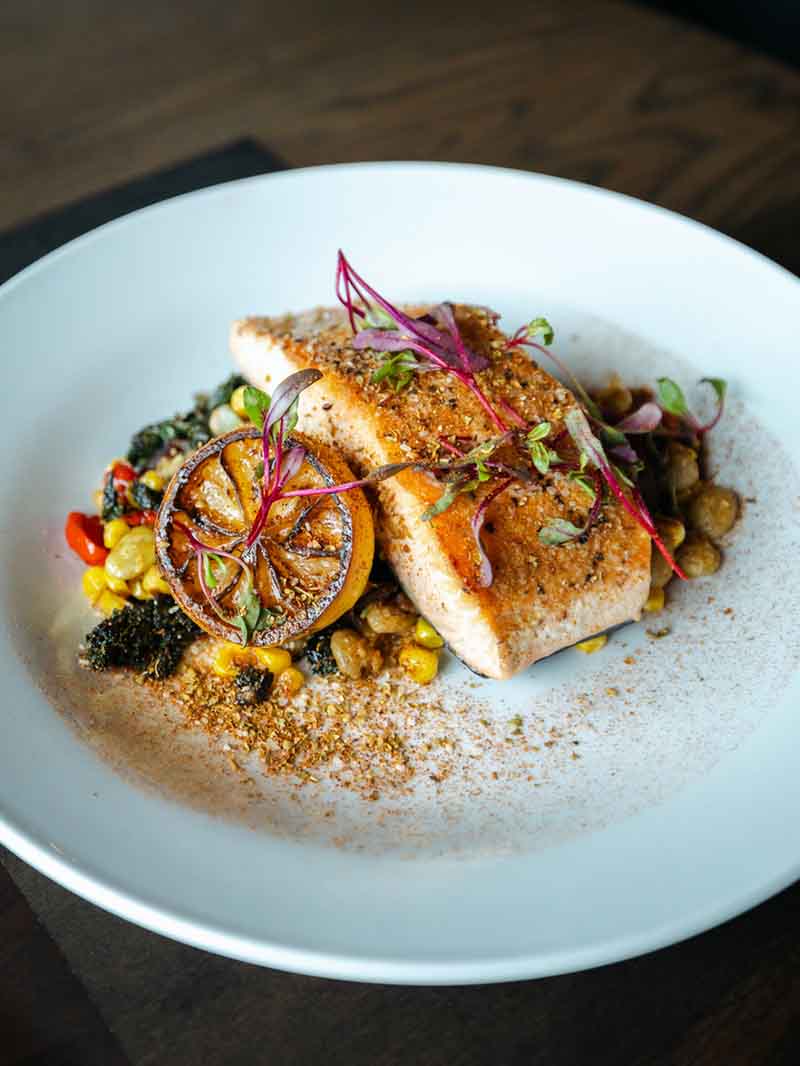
[679, 810]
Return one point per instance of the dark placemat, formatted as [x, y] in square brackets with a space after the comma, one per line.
[25, 244]
[46, 1016]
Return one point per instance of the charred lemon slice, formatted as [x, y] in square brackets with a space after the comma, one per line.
[309, 565]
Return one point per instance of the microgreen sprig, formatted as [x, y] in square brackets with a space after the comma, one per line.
[430, 347]
[673, 401]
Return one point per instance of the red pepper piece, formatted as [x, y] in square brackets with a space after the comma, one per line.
[140, 518]
[84, 535]
[123, 474]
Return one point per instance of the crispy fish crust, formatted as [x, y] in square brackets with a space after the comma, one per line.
[542, 598]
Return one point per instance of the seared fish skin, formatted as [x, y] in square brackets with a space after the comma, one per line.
[542, 598]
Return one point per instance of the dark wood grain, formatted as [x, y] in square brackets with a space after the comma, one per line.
[46, 1017]
[728, 998]
[93, 94]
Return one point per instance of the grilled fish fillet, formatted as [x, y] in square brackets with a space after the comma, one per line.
[542, 598]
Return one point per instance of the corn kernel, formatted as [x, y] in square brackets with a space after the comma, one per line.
[109, 602]
[117, 584]
[94, 582]
[133, 555]
[421, 664]
[114, 531]
[229, 658]
[237, 402]
[426, 635]
[655, 601]
[97, 499]
[589, 647]
[223, 663]
[154, 582]
[153, 480]
[291, 680]
[276, 660]
[137, 589]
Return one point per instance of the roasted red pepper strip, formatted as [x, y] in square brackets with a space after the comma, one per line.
[123, 474]
[140, 518]
[84, 535]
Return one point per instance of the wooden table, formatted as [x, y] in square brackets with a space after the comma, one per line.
[92, 94]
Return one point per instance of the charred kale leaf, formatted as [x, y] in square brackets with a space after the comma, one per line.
[253, 686]
[318, 654]
[185, 432]
[111, 506]
[149, 636]
[145, 497]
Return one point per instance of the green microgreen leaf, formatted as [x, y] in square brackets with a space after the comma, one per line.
[542, 456]
[671, 398]
[538, 432]
[719, 385]
[268, 618]
[377, 318]
[451, 491]
[256, 404]
[208, 569]
[397, 368]
[540, 327]
[584, 482]
[559, 531]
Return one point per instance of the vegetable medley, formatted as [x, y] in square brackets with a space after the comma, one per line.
[255, 564]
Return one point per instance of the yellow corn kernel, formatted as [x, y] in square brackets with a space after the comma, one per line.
[94, 582]
[655, 601]
[291, 680]
[237, 402]
[426, 635]
[132, 556]
[225, 658]
[114, 531]
[154, 582]
[229, 658]
[421, 664]
[137, 589]
[276, 660]
[109, 602]
[117, 584]
[589, 647]
[97, 499]
[153, 480]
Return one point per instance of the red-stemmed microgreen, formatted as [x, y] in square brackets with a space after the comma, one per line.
[673, 401]
[421, 341]
[560, 530]
[211, 561]
[541, 455]
[587, 443]
[485, 574]
[526, 336]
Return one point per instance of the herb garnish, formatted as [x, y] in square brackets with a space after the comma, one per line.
[434, 342]
[672, 400]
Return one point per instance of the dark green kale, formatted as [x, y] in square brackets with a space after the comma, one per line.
[253, 686]
[318, 654]
[145, 497]
[111, 506]
[149, 636]
[183, 433]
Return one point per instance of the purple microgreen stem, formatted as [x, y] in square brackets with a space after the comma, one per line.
[580, 431]
[485, 575]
